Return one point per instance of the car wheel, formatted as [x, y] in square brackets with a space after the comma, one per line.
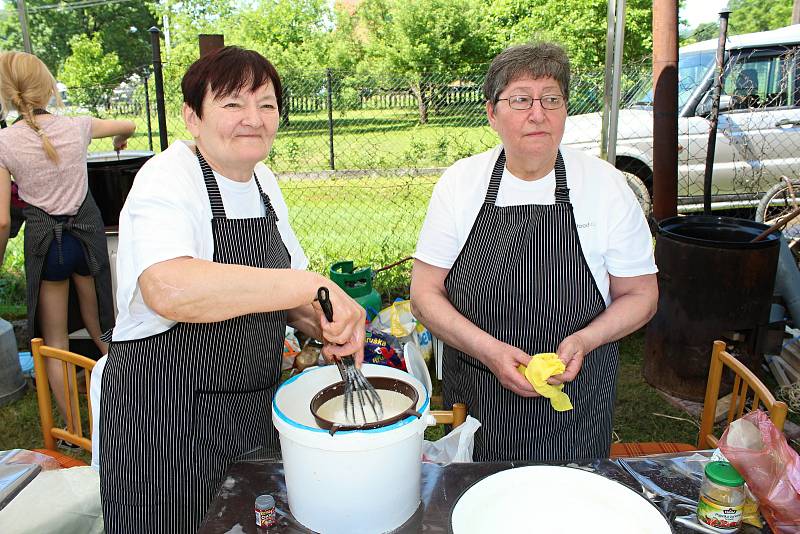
[780, 200]
[641, 193]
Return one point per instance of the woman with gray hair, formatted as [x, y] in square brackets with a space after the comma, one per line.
[533, 248]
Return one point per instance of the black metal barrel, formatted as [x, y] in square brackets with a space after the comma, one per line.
[714, 283]
[110, 179]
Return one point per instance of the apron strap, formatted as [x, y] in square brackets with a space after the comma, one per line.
[561, 193]
[214, 196]
[265, 199]
[497, 175]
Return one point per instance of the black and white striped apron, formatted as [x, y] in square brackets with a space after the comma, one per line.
[41, 229]
[179, 406]
[522, 277]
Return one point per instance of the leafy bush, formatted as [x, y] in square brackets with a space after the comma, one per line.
[12, 279]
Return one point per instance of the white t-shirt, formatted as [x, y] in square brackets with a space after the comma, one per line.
[167, 215]
[612, 229]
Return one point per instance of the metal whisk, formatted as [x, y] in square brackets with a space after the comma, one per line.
[357, 390]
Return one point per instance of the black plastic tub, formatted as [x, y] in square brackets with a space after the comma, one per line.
[714, 283]
[111, 178]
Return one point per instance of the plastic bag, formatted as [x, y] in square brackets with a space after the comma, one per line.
[416, 366]
[24, 456]
[291, 348]
[456, 446]
[770, 467]
[383, 349]
[398, 321]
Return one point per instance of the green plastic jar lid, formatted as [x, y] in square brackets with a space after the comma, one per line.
[723, 473]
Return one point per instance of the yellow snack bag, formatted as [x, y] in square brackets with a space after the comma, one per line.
[541, 367]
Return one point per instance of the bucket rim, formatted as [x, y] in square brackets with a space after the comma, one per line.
[665, 225]
[99, 159]
[292, 423]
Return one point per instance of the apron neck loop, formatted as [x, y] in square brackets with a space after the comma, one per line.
[215, 197]
[561, 193]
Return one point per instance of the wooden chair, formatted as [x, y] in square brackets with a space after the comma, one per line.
[454, 417]
[74, 432]
[744, 381]
[647, 448]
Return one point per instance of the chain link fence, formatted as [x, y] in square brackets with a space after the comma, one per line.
[357, 156]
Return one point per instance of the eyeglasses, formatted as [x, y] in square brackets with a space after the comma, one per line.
[523, 102]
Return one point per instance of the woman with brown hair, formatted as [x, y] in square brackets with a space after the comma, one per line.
[64, 234]
[209, 274]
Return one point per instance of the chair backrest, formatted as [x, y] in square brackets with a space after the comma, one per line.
[74, 433]
[746, 385]
[454, 417]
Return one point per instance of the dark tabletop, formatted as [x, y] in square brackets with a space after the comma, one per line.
[233, 507]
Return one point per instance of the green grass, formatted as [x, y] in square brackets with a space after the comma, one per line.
[363, 139]
[638, 410]
[640, 413]
[373, 221]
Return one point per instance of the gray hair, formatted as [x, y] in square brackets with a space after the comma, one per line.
[540, 60]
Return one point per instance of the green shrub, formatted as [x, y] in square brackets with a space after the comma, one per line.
[12, 279]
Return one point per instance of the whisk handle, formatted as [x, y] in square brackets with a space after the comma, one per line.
[323, 297]
[342, 370]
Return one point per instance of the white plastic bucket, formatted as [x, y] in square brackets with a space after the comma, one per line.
[352, 482]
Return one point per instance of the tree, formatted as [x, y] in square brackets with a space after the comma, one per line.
[89, 73]
[582, 33]
[703, 32]
[346, 41]
[291, 33]
[423, 40]
[188, 18]
[753, 15]
[119, 27]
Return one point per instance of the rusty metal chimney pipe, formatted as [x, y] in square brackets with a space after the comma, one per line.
[210, 42]
[665, 109]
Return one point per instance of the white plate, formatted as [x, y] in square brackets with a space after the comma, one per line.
[555, 500]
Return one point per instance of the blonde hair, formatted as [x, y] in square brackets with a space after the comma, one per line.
[26, 85]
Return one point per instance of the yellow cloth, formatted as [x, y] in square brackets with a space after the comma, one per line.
[541, 367]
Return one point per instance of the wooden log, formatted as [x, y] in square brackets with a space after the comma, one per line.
[777, 370]
[792, 372]
[790, 357]
[793, 348]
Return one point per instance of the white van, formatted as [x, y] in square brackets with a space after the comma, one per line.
[758, 139]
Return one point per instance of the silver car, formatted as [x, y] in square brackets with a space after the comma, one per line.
[758, 139]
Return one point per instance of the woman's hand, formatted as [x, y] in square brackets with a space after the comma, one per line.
[571, 351]
[120, 130]
[344, 336]
[504, 362]
[120, 142]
